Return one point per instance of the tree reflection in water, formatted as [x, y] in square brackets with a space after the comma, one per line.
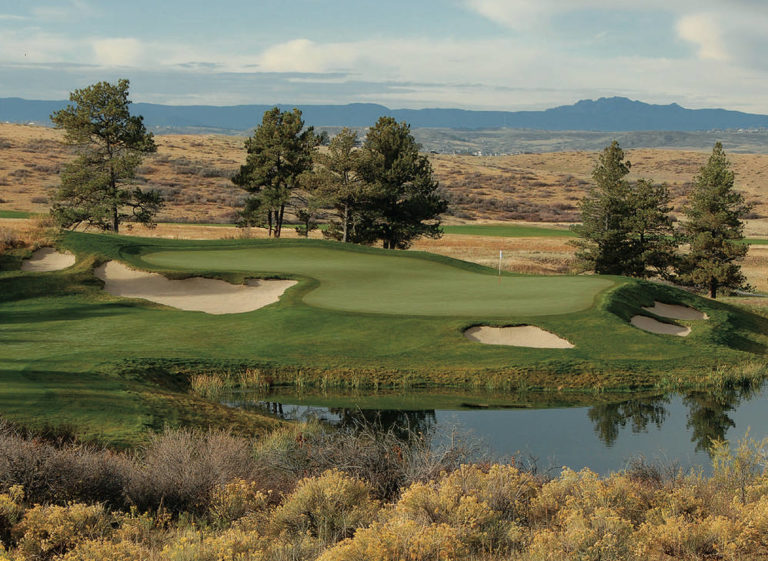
[403, 424]
[609, 418]
[708, 414]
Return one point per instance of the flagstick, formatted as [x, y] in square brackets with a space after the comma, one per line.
[500, 256]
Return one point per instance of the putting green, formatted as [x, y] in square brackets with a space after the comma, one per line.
[396, 283]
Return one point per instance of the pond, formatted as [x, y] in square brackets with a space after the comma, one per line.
[595, 431]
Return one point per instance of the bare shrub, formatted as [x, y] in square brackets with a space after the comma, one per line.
[180, 469]
[387, 459]
[51, 474]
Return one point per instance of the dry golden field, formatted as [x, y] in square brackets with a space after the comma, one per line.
[193, 174]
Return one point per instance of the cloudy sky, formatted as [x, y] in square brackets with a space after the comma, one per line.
[475, 54]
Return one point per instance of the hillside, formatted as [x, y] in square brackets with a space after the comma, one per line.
[192, 172]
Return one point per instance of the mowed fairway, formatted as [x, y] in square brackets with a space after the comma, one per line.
[396, 284]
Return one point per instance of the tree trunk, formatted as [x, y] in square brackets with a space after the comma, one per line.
[279, 222]
[713, 289]
[115, 217]
[269, 222]
[346, 224]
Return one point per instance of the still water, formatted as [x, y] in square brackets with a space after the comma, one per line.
[603, 434]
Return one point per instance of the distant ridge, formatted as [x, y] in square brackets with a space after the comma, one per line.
[604, 114]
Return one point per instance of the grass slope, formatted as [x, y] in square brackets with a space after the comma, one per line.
[70, 353]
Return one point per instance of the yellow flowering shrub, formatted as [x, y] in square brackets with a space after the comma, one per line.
[400, 539]
[329, 507]
[11, 510]
[683, 537]
[233, 544]
[587, 492]
[436, 504]
[46, 531]
[105, 550]
[600, 535]
[234, 500]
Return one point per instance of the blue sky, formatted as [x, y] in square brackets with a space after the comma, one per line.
[477, 54]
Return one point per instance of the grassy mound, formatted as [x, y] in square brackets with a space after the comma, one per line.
[359, 317]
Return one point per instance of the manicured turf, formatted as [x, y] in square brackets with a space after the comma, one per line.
[397, 283]
[14, 214]
[112, 367]
[507, 231]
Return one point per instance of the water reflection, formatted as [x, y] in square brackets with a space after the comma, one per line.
[609, 418]
[401, 423]
[707, 417]
[602, 436]
[708, 413]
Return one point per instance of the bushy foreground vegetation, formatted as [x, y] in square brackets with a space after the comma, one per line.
[304, 494]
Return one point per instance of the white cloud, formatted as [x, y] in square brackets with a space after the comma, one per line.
[303, 55]
[118, 51]
[705, 32]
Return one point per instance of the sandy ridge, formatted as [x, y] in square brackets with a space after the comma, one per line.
[211, 296]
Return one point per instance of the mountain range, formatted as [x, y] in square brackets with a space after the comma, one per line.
[604, 114]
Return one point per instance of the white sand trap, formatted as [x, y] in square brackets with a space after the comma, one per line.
[197, 294]
[518, 336]
[675, 311]
[47, 259]
[654, 326]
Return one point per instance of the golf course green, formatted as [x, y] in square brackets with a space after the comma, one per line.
[113, 368]
[396, 283]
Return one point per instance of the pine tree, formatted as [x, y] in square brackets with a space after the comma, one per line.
[340, 185]
[404, 203]
[604, 231]
[279, 153]
[626, 227]
[110, 143]
[714, 228]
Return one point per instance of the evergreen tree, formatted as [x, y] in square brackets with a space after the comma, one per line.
[341, 187]
[110, 143]
[626, 228]
[404, 202]
[714, 228]
[653, 240]
[604, 230]
[279, 153]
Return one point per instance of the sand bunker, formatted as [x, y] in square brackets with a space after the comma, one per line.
[47, 259]
[654, 326]
[518, 336]
[674, 311]
[195, 294]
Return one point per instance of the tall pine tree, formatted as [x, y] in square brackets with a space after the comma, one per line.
[110, 142]
[279, 153]
[404, 202]
[626, 227]
[714, 228]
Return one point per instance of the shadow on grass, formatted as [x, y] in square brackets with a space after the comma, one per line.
[64, 313]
